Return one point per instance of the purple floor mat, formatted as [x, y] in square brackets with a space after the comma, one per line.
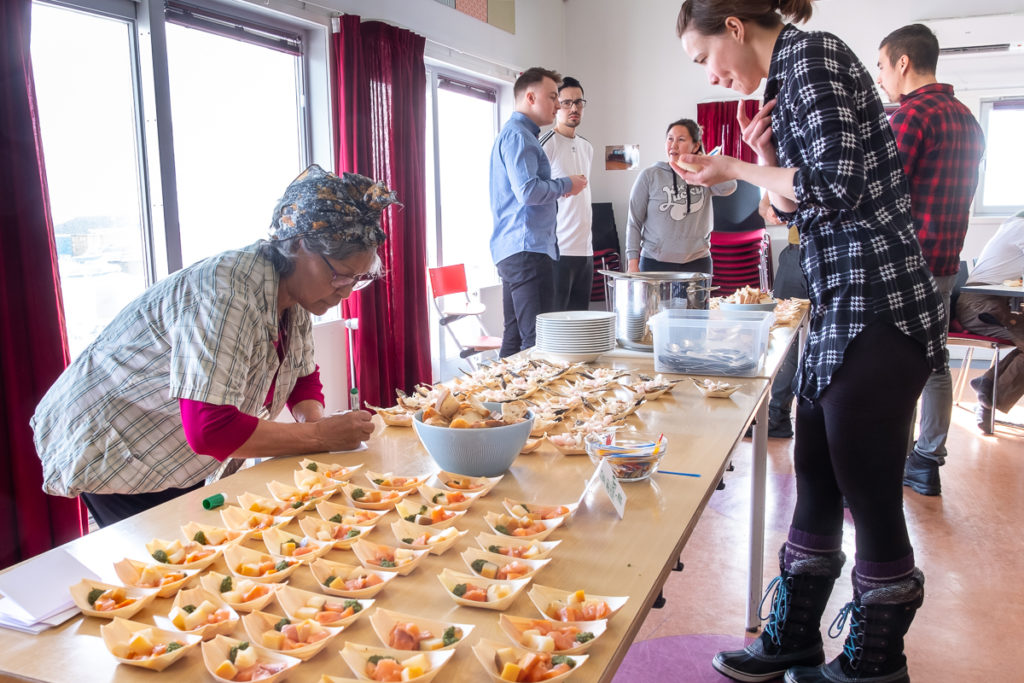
[675, 659]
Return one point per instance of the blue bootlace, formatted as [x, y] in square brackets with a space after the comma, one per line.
[854, 646]
[779, 588]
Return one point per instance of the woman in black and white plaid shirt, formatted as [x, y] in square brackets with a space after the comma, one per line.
[831, 166]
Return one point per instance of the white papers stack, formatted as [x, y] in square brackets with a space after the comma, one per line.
[36, 596]
[575, 336]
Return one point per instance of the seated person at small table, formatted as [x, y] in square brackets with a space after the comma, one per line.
[1001, 259]
[195, 370]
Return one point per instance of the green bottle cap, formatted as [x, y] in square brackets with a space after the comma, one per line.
[214, 501]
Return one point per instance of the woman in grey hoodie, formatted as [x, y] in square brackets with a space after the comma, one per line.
[670, 221]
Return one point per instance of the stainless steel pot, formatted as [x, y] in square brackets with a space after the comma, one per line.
[639, 296]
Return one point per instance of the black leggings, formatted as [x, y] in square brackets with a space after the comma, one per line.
[108, 508]
[853, 441]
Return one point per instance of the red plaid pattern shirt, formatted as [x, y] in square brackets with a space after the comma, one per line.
[941, 145]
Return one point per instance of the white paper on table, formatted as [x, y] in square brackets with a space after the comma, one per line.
[38, 589]
[35, 627]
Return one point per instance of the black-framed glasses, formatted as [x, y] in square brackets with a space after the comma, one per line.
[355, 281]
[568, 104]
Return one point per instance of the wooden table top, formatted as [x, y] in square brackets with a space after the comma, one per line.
[599, 552]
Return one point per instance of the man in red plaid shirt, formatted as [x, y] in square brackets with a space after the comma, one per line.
[940, 145]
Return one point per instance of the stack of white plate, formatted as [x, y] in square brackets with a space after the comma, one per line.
[575, 336]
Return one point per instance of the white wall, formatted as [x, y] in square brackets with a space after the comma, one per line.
[637, 77]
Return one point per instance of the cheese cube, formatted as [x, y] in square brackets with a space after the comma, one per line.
[273, 639]
[248, 569]
[510, 672]
[232, 596]
[178, 618]
[541, 643]
[121, 651]
[403, 555]
[337, 584]
[577, 598]
[323, 535]
[150, 576]
[411, 672]
[306, 613]
[497, 591]
[228, 670]
[489, 570]
[431, 644]
[245, 658]
[317, 601]
[215, 537]
[177, 557]
[519, 511]
[141, 642]
[419, 661]
[533, 551]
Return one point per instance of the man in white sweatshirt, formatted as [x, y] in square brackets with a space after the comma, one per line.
[571, 154]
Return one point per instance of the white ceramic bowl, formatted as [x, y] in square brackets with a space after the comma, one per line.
[484, 452]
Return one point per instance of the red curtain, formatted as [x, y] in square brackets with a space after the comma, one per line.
[380, 129]
[33, 351]
[718, 119]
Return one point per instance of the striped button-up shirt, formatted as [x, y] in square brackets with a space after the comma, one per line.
[941, 145]
[111, 422]
[857, 243]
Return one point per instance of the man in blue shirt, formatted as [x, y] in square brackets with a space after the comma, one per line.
[523, 202]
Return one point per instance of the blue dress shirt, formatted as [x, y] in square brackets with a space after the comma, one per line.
[523, 194]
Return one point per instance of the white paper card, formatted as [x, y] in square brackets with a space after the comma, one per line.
[56, 571]
[612, 487]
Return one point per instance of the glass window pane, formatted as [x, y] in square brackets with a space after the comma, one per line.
[1003, 151]
[83, 77]
[235, 113]
[465, 129]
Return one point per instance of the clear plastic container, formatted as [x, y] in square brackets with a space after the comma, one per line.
[697, 342]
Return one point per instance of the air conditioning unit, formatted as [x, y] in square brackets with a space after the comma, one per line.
[985, 35]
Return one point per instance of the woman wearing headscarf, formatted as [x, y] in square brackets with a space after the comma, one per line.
[195, 370]
[831, 167]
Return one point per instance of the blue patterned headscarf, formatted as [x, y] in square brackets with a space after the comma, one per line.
[344, 208]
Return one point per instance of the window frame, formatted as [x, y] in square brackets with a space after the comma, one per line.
[149, 65]
[981, 209]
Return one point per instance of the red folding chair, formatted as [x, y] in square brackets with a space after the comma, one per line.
[739, 260]
[446, 283]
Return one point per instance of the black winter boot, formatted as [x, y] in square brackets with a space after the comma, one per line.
[791, 636]
[873, 651]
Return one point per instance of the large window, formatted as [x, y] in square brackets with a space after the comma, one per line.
[1000, 191]
[168, 137]
[237, 134]
[85, 86]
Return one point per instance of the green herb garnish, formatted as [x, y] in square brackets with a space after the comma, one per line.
[226, 584]
[388, 563]
[478, 565]
[311, 467]
[329, 579]
[352, 533]
[410, 518]
[562, 659]
[244, 645]
[378, 481]
[450, 636]
[189, 608]
[376, 658]
[336, 519]
[502, 529]
[160, 555]
[354, 604]
[281, 566]
[94, 595]
[407, 540]
[175, 645]
[282, 623]
[494, 549]
[459, 589]
[200, 538]
[297, 504]
[584, 636]
[357, 494]
[436, 496]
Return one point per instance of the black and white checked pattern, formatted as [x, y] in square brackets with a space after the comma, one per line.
[857, 243]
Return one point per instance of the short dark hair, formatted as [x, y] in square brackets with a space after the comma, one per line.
[918, 43]
[696, 132]
[569, 82]
[534, 74]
